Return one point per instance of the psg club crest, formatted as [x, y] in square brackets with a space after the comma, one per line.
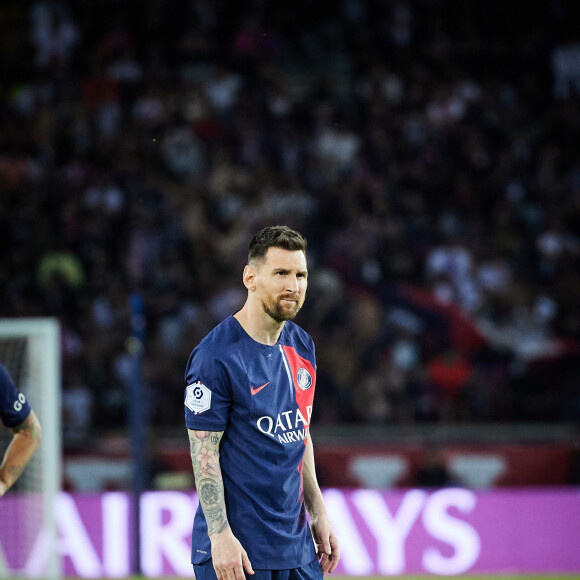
[197, 397]
[303, 379]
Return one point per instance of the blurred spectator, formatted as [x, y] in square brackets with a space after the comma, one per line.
[566, 70]
[77, 410]
[53, 33]
[433, 471]
[451, 374]
[431, 160]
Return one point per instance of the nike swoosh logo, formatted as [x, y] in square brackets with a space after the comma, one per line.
[255, 391]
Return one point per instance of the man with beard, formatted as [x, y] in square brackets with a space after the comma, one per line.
[248, 404]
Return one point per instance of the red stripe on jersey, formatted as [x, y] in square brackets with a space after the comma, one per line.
[304, 379]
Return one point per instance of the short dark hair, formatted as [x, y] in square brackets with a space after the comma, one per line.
[275, 237]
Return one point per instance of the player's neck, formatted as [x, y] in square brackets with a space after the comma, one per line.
[259, 326]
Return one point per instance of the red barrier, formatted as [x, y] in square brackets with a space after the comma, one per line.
[396, 466]
[470, 465]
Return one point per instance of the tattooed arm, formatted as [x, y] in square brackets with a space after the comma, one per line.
[228, 555]
[25, 440]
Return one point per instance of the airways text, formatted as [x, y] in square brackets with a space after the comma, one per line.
[288, 426]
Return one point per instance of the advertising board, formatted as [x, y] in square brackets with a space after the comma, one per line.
[444, 532]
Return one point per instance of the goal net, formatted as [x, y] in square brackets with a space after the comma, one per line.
[30, 351]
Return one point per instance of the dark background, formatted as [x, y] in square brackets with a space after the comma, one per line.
[428, 150]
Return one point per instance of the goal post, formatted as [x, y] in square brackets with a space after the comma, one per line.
[30, 351]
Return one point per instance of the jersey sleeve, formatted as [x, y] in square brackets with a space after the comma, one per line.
[208, 393]
[14, 408]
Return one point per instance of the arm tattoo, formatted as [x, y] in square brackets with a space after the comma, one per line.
[204, 449]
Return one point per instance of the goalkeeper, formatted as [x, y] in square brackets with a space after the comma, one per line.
[15, 413]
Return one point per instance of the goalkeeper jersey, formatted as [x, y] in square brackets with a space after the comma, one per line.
[261, 397]
[14, 408]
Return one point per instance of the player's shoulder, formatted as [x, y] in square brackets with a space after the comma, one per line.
[219, 342]
[298, 336]
[14, 408]
[215, 352]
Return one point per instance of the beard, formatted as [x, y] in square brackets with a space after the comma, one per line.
[275, 310]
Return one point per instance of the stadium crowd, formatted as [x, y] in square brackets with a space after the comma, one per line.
[428, 150]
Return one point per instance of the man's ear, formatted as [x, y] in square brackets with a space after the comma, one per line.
[249, 277]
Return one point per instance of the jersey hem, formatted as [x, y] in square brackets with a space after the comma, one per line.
[207, 427]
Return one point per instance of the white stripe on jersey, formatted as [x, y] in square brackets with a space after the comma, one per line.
[287, 369]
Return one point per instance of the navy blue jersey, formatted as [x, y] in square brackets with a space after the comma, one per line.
[14, 409]
[261, 397]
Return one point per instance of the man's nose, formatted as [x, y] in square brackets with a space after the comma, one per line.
[293, 285]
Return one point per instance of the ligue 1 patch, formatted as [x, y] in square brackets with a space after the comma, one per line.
[303, 379]
[197, 397]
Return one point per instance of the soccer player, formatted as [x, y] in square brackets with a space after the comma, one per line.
[16, 414]
[248, 404]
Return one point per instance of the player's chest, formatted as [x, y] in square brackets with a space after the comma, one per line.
[276, 380]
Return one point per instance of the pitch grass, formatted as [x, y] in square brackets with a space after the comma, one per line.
[403, 577]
